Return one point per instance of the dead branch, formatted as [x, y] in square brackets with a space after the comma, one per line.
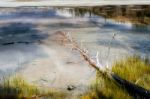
[134, 90]
[83, 52]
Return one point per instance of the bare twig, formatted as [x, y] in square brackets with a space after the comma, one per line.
[109, 48]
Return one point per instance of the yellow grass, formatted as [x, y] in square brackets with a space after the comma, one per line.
[17, 88]
[132, 69]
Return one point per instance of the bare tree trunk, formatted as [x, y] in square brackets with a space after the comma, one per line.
[133, 89]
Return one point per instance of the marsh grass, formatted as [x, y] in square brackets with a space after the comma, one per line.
[17, 88]
[133, 69]
[103, 88]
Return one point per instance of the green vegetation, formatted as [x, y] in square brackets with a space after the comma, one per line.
[135, 70]
[17, 88]
[104, 88]
[132, 69]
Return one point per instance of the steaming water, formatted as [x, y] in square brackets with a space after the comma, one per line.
[26, 26]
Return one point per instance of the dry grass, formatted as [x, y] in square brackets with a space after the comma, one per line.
[132, 69]
[17, 88]
[104, 88]
[135, 70]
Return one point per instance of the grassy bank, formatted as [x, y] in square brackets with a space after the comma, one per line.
[133, 69]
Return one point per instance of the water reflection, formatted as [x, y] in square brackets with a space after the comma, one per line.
[122, 14]
[19, 32]
[93, 25]
[17, 46]
[139, 14]
[23, 12]
[123, 18]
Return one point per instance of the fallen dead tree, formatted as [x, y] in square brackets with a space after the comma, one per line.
[133, 89]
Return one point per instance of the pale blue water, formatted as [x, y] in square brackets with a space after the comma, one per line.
[26, 26]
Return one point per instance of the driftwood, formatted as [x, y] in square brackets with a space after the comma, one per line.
[133, 89]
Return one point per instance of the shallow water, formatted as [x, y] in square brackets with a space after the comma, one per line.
[95, 32]
[22, 28]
